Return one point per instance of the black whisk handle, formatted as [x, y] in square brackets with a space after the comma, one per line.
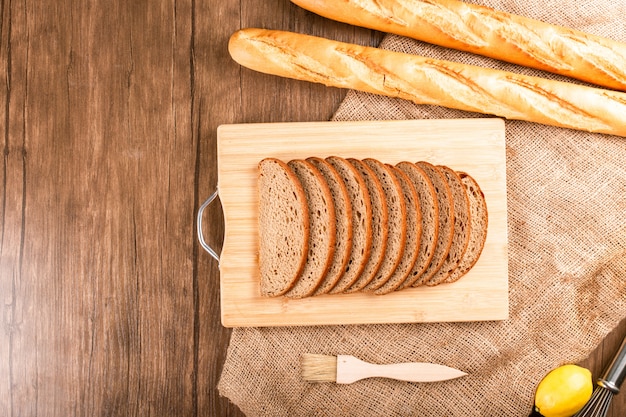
[615, 373]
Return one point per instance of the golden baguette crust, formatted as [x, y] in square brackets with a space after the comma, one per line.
[430, 81]
[484, 31]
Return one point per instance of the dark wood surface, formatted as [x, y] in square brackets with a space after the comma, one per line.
[108, 118]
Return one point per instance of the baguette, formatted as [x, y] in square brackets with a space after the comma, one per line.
[484, 31]
[430, 81]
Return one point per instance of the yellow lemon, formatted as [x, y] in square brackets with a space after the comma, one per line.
[563, 391]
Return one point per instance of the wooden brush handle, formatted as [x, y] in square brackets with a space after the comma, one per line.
[351, 369]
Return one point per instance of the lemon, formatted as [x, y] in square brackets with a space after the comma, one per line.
[563, 391]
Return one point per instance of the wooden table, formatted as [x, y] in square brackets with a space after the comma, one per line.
[109, 117]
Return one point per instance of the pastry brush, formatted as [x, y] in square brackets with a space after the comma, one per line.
[346, 369]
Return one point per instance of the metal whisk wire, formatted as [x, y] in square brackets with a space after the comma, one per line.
[598, 405]
[608, 385]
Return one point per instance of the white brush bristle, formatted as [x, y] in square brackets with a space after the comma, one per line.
[319, 368]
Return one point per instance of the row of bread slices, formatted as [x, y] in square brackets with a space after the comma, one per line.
[340, 225]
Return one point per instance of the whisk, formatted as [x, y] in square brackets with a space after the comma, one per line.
[607, 386]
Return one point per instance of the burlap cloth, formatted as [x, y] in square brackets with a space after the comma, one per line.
[567, 271]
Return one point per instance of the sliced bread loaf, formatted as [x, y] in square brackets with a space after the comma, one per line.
[379, 225]
[413, 234]
[478, 235]
[429, 207]
[283, 227]
[361, 222]
[462, 226]
[446, 220]
[343, 224]
[340, 225]
[396, 217]
[323, 234]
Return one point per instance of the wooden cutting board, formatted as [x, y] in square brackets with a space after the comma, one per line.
[476, 146]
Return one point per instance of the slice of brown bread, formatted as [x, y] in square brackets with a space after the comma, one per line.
[323, 234]
[478, 235]
[283, 227]
[429, 207]
[396, 217]
[361, 222]
[446, 220]
[462, 226]
[379, 225]
[343, 224]
[413, 234]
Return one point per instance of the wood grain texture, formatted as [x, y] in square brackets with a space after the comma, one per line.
[108, 117]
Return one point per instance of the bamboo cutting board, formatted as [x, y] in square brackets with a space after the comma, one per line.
[476, 146]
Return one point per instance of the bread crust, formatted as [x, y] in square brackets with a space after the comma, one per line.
[485, 31]
[322, 235]
[446, 221]
[462, 226]
[282, 241]
[414, 234]
[380, 227]
[343, 217]
[396, 219]
[480, 222]
[429, 207]
[430, 81]
[361, 223]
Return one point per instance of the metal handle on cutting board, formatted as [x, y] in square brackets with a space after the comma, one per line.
[203, 243]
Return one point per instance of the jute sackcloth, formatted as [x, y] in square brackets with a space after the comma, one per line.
[567, 270]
